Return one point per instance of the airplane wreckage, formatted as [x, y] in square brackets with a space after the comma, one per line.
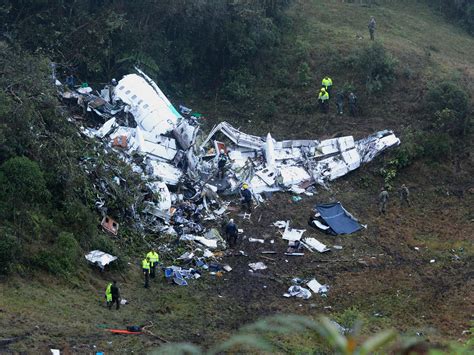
[138, 118]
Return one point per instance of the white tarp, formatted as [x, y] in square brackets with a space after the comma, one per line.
[100, 258]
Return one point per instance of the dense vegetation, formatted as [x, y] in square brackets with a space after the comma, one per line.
[200, 43]
[461, 11]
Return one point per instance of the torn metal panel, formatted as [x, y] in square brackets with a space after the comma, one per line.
[186, 133]
[163, 193]
[335, 145]
[267, 175]
[107, 128]
[316, 287]
[237, 137]
[166, 172]
[376, 143]
[336, 166]
[165, 150]
[292, 175]
[292, 234]
[269, 150]
[312, 243]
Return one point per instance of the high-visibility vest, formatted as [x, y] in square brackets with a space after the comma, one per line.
[145, 264]
[327, 82]
[153, 256]
[323, 96]
[108, 293]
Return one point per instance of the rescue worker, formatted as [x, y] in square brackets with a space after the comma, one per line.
[327, 84]
[112, 86]
[352, 104]
[70, 81]
[154, 259]
[404, 195]
[371, 27]
[108, 295]
[146, 270]
[246, 197]
[340, 101]
[231, 233]
[221, 164]
[383, 201]
[323, 98]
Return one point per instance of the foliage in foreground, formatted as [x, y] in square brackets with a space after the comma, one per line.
[259, 337]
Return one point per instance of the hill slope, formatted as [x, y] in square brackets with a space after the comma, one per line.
[383, 275]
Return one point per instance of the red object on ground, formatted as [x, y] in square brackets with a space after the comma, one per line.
[122, 331]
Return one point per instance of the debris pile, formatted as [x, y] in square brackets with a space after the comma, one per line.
[186, 172]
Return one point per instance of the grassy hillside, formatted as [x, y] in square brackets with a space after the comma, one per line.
[378, 276]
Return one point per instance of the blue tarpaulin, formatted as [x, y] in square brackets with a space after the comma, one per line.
[340, 221]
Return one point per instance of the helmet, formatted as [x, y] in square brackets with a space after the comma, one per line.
[114, 81]
[222, 151]
[245, 186]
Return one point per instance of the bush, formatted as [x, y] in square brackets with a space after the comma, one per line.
[448, 106]
[239, 84]
[79, 220]
[22, 185]
[377, 65]
[446, 95]
[62, 259]
[9, 248]
[437, 146]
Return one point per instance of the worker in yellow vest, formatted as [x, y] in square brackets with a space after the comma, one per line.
[146, 270]
[327, 84]
[108, 295]
[323, 99]
[154, 259]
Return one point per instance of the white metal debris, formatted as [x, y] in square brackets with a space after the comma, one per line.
[312, 243]
[316, 287]
[299, 292]
[257, 266]
[292, 234]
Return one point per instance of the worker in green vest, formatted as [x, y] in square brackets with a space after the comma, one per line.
[112, 295]
[323, 99]
[327, 84]
[154, 259]
[108, 295]
[146, 270]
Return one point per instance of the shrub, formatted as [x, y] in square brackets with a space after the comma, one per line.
[448, 106]
[9, 248]
[63, 258]
[304, 74]
[437, 146]
[446, 95]
[377, 65]
[239, 84]
[22, 185]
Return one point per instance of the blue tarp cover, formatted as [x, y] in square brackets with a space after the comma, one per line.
[340, 221]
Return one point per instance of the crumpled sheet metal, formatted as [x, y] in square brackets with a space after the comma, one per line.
[298, 291]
